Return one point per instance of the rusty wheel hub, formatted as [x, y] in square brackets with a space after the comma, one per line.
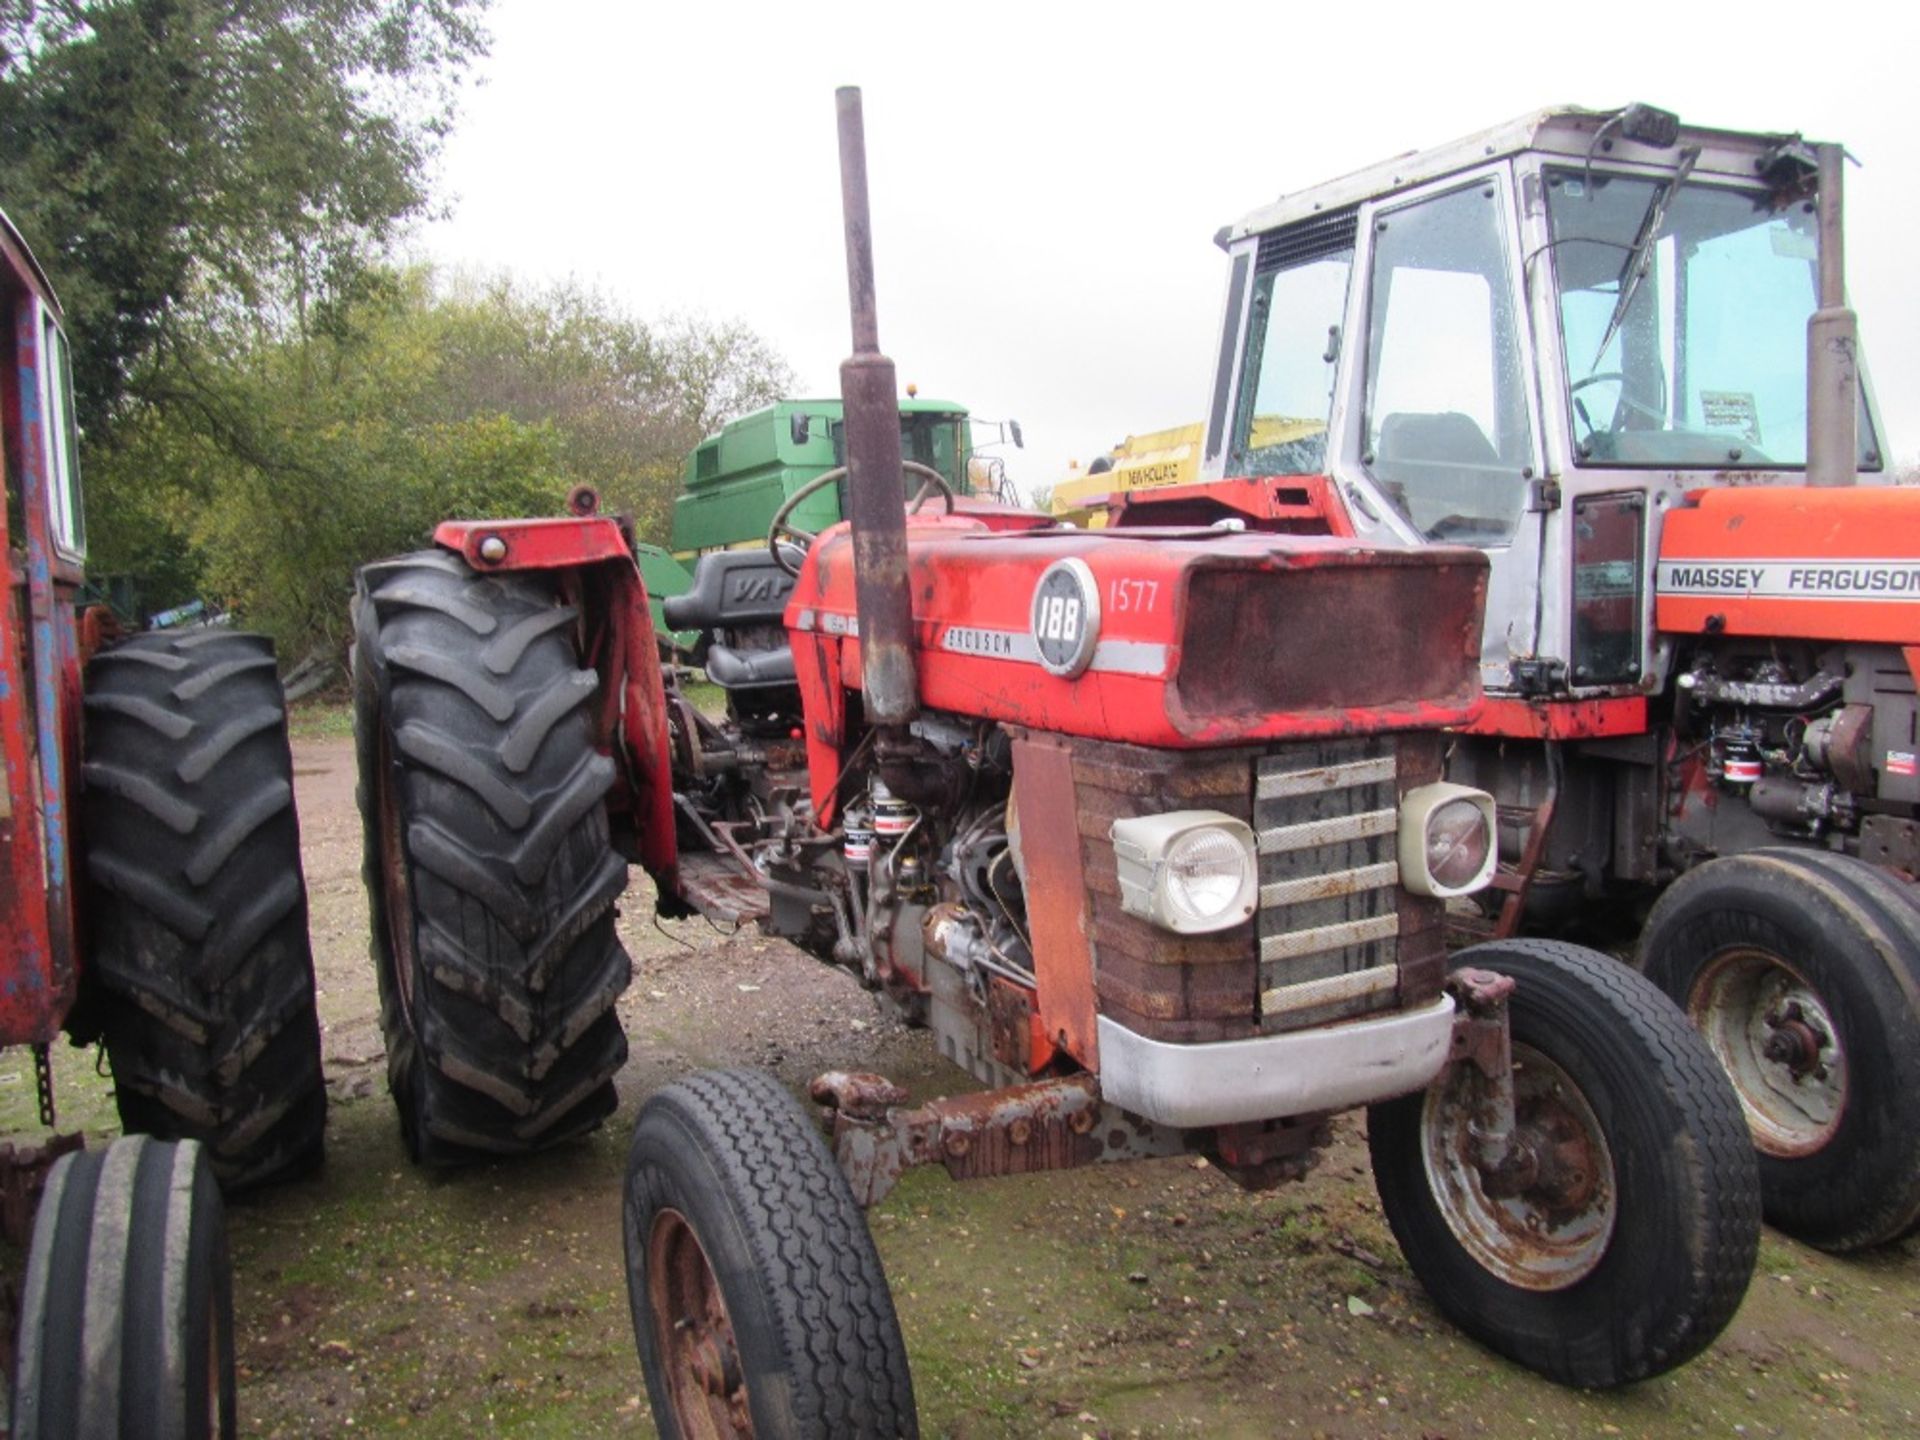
[1543, 1219]
[1771, 1033]
[693, 1334]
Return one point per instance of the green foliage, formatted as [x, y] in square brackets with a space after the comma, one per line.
[276, 465]
[246, 159]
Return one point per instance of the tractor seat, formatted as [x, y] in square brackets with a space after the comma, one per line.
[733, 669]
[731, 589]
[1448, 438]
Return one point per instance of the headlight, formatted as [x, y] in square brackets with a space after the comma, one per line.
[1188, 871]
[1446, 840]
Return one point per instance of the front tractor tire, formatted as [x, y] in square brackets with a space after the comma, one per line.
[1802, 971]
[126, 1312]
[199, 975]
[759, 1303]
[1625, 1245]
[489, 870]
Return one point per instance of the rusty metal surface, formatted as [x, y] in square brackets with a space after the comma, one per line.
[714, 886]
[857, 1094]
[1483, 1038]
[1050, 1125]
[23, 1174]
[1329, 639]
[868, 389]
[1273, 1152]
[1046, 810]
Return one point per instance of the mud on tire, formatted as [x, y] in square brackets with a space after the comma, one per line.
[488, 865]
[759, 1302]
[126, 1316]
[1631, 1246]
[199, 973]
[1818, 956]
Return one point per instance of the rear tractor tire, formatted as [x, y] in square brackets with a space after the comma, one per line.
[1628, 1245]
[126, 1318]
[1801, 969]
[198, 973]
[489, 870]
[759, 1303]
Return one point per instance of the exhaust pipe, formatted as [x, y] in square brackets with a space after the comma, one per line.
[868, 391]
[1833, 346]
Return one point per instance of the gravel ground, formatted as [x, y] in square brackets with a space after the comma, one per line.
[1151, 1299]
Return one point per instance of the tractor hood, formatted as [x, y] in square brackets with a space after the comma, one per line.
[1175, 638]
[1804, 562]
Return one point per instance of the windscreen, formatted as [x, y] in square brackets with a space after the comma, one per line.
[1683, 310]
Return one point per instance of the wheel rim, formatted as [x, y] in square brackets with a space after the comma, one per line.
[706, 1384]
[1772, 1034]
[1552, 1231]
[396, 882]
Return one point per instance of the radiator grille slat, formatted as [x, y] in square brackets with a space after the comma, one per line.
[1326, 816]
[1311, 994]
[1296, 943]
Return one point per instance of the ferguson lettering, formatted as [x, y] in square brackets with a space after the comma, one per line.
[1860, 580]
[1870, 579]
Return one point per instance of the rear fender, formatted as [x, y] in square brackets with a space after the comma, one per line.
[590, 558]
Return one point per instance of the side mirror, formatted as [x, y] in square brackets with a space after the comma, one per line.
[1013, 426]
[800, 426]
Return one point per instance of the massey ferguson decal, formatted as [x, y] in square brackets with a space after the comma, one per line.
[1881, 580]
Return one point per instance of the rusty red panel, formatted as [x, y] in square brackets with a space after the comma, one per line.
[973, 590]
[1043, 798]
[39, 985]
[1292, 504]
[1561, 719]
[546, 544]
[1332, 644]
[643, 721]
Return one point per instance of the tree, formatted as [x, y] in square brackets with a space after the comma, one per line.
[244, 157]
[274, 466]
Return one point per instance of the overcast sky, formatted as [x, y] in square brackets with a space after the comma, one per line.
[1047, 178]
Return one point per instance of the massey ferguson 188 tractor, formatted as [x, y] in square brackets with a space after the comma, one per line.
[1157, 846]
[152, 901]
[1611, 352]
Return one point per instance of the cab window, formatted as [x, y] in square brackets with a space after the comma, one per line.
[65, 517]
[1446, 428]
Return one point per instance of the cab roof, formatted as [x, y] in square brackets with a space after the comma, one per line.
[1568, 131]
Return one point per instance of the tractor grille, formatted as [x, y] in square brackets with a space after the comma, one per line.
[1336, 934]
[1326, 815]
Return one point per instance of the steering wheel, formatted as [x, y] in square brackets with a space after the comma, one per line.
[781, 530]
[1625, 402]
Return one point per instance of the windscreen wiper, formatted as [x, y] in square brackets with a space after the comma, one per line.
[1640, 256]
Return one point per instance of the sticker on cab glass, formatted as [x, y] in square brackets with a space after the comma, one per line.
[1900, 762]
[1065, 618]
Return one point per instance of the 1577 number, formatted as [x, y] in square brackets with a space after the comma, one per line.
[1124, 595]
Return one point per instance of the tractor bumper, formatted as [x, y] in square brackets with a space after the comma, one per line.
[1269, 1077]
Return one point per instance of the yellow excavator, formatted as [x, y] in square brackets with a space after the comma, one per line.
[1152, 460]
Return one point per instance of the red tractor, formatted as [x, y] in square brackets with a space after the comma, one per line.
[152, 774]
[1612, 352]
[1159, 853]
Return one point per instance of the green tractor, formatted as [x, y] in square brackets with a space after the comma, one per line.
[738, 480]
[776, 463]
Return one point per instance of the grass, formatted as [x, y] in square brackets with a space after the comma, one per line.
[320, 718]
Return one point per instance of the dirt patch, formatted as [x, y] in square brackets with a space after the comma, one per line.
[1152, 1299]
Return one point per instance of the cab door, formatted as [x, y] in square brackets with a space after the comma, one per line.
[1442, 435]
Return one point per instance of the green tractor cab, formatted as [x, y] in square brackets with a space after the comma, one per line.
[737, 480]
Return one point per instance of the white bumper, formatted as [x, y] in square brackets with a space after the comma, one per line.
[1268, 1077]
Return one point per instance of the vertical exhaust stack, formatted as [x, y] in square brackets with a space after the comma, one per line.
[874, 489]
[1833, 347]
